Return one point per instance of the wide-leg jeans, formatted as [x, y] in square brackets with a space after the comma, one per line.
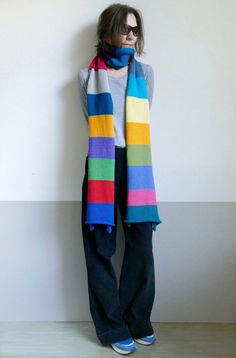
[119, 312]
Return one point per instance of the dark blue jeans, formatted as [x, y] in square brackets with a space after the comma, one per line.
[119, 312]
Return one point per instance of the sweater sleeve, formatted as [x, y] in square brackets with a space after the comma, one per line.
[150, 83]
[83, 95]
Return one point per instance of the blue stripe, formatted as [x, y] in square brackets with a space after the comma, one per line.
[136, 68]
[140, 177]
[100, 213]
[99, 104]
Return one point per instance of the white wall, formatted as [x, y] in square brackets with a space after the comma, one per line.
[191, 45]
[43, 140]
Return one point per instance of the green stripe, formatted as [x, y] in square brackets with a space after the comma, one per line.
[101, 169]
[139, 154]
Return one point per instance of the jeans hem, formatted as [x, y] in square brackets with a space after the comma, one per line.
[141, 329]
[114, 335]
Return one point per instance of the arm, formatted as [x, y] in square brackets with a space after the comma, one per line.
[83, 95]
[150, 83]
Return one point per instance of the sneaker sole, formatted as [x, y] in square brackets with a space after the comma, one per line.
[140, 341]
[121, 351]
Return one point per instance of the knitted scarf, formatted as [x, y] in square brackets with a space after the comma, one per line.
[141, 203]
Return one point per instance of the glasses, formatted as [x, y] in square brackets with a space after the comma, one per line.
[125, 30]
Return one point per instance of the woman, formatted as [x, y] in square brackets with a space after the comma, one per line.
[116, 92]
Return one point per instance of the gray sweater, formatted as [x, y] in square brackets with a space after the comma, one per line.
[117, 87]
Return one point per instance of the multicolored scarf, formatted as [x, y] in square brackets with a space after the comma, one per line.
[141, 196]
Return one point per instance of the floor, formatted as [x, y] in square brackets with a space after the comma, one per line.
[78, 339]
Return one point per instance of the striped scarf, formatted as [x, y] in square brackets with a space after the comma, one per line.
[141, 203]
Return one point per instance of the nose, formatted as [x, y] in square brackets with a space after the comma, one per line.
[130, 33]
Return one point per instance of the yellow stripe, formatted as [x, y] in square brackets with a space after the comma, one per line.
[137, 109]
[137, 133]
[101, 125]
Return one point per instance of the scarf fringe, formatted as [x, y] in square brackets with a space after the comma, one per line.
[109, 227]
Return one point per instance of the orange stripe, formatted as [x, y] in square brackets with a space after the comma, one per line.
[137, 133]
[101, 125]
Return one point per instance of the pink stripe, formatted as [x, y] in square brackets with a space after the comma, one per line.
[98, 64]
[142, 197]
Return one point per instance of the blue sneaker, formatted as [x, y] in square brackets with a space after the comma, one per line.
[147, 340]
[124, 347]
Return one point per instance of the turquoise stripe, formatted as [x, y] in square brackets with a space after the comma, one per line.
[137, 87]
[142, 214]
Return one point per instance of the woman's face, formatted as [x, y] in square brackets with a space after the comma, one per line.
[128, 40]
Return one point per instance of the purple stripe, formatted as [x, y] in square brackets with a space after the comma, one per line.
[102, 147]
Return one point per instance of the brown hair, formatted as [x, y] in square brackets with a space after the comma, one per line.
[110, 22]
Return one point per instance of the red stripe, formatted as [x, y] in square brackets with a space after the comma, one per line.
[101, 191]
